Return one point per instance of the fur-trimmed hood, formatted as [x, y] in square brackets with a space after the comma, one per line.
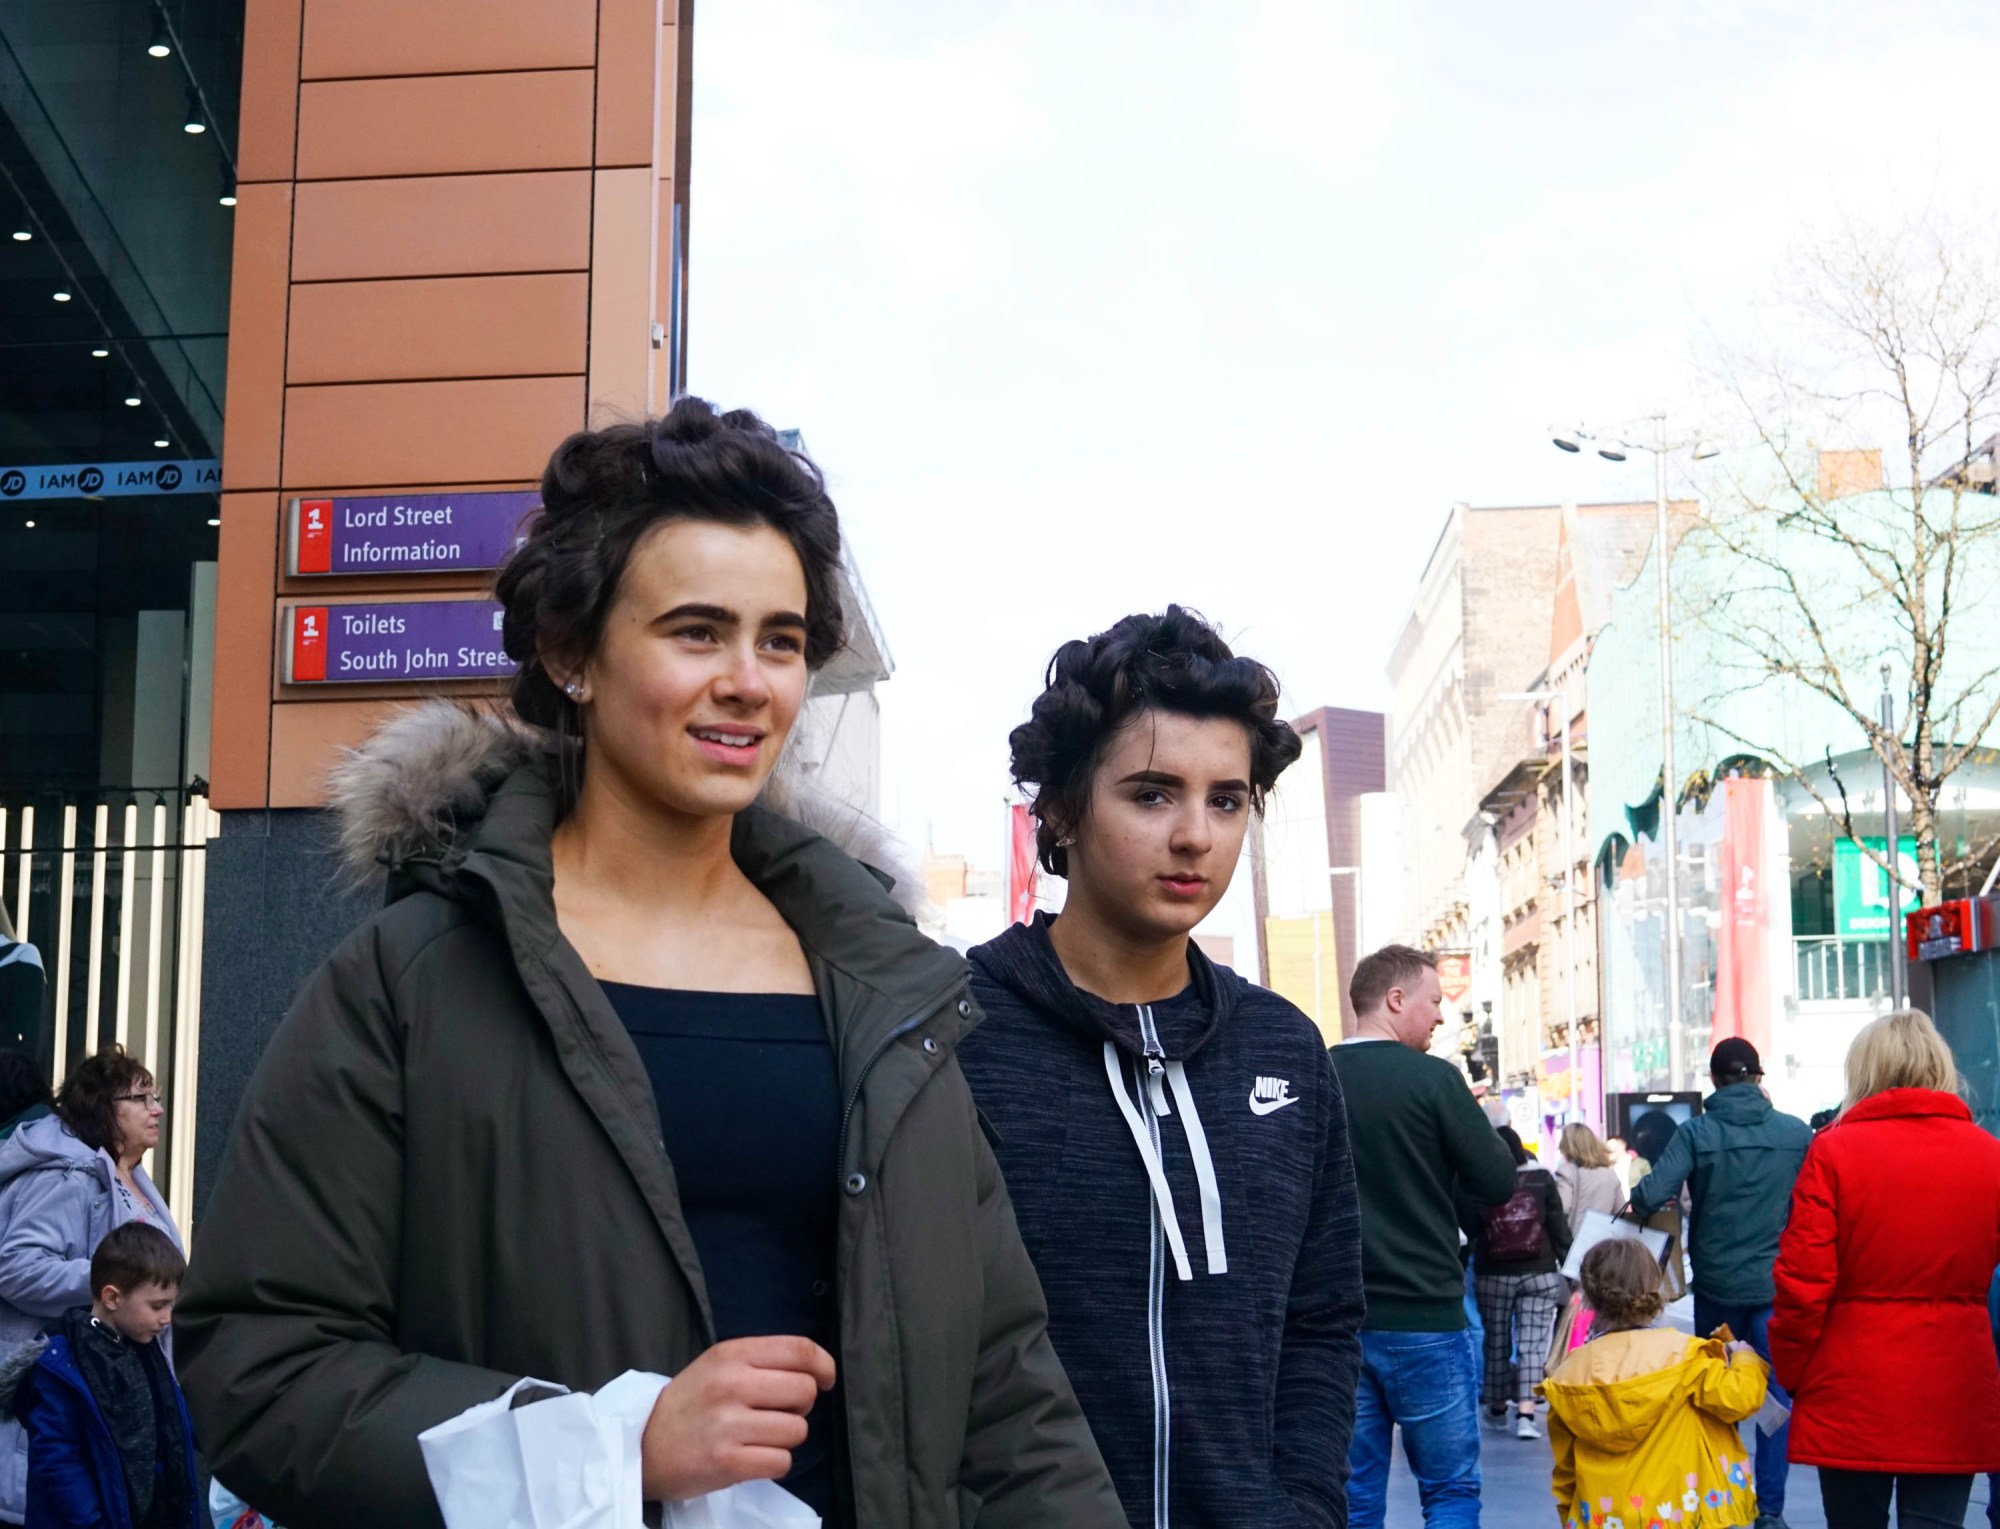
[425, 777]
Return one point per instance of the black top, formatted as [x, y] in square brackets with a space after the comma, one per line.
[749, 1098]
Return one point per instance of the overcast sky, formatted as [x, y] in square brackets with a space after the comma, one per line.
[1085, 308]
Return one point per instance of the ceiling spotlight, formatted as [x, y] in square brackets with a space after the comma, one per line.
[132, 402]
[22, 236]
[62, 297]
[1567, 440]
[29, 524]
[1612, 453]
[228, 197]
[100, 352]
[196, 122]
[163, 444]
[160, 46]
[1703, 450]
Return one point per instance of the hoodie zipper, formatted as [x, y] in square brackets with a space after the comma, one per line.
[1156, 1272]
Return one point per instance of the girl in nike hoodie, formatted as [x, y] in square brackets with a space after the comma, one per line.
[1173, 1137]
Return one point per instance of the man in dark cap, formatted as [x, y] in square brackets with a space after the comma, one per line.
[1738, 1159]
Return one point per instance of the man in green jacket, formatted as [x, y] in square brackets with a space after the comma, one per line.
[1417, 1137]
[1739, 1158]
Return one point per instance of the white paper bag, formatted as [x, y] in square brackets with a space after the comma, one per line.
[1596, 1227]
[748, 1505]
[572, 1462]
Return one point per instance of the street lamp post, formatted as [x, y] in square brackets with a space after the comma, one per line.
[1613, 450]
[1892, 857]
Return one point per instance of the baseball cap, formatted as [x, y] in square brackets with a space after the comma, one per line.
[1733, 1054]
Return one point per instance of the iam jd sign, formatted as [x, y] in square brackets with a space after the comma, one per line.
[1861, 890]
[111, 480]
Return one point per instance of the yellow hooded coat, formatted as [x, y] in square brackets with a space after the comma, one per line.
[1644, 1428]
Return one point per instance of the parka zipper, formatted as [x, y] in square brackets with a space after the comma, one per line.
[1152, 1104]
[924, 1013]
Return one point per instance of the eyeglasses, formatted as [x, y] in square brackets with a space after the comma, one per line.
[148, 1099]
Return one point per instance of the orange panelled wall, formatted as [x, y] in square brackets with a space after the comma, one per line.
[452, 249]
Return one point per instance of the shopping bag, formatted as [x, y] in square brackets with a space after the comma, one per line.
[571, 1461]
[748, 1505]
[1596, 1227]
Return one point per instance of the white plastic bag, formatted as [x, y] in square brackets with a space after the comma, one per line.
[572, 1462]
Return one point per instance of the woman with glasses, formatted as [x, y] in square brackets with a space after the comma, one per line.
[66, 1180]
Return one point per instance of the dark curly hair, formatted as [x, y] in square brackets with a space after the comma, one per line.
[88, 1100]
[1174, 662]
[604, 490]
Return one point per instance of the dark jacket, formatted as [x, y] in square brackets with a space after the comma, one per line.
[1739, 1158]
[1537, 1182]
[448, 1174]
[1222, 1397]
[76, 1479]
[1419, 1138]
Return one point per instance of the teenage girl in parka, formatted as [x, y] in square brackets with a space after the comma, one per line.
[633, 1072]
[1644, 1419]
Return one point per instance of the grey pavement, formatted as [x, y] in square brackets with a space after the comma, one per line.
[1516, 1489]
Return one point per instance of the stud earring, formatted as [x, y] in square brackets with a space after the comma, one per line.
[1066, 842]
[572, 690]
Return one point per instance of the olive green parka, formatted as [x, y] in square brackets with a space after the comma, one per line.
[448, 1173]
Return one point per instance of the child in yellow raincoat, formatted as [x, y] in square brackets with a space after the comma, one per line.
[1644, 1420]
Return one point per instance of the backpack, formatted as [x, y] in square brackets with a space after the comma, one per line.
[1514, 1230]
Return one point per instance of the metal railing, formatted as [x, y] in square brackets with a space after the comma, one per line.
[1831, 969]
[110, 886]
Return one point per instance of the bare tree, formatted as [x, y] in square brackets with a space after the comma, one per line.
[1886, 336]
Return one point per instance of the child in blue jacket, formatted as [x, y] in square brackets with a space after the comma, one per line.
[110, 1445]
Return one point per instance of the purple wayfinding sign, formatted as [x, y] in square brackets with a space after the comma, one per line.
[405, 533]
[409, 640]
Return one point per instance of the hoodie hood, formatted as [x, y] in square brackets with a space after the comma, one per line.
[1740, 1104]
[45, 1143]
[1023, 960]
[412, 796]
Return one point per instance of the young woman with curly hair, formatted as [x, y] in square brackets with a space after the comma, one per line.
[1173, 1135]
[636, 1071]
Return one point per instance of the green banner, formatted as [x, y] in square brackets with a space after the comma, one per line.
[1861, 889]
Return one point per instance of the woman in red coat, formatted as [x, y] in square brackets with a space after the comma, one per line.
[1880, 1326]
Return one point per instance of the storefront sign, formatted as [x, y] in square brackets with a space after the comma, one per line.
[1861, 892]
[413, 640]
[112, 480]
[1956, 928]
[405, 533]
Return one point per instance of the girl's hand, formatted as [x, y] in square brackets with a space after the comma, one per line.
[735, 1414]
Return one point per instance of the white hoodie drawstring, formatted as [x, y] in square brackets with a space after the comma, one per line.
[1204, 1162]
[1154, 1172]
[1204, 1170]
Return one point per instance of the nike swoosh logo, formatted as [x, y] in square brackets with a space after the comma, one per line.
[1266, 1106]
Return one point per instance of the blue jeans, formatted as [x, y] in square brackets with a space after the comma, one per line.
[1428, 1383]
[1753, 1324]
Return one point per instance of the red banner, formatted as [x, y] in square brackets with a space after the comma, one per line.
[1743, 961]
[1021, 866]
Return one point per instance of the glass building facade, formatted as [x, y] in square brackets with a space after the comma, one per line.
[118, 126]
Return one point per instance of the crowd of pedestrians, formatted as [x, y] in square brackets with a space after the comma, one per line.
[646, 1066]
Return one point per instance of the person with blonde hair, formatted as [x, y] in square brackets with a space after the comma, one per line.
[1644, 1420]
[1880, 1324]
[1585, 1177]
